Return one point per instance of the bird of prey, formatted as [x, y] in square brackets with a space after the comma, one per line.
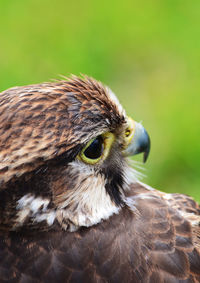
[71, 207]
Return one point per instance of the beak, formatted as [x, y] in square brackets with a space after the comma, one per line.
[140, 142]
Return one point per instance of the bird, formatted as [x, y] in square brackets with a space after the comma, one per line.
[72, 208]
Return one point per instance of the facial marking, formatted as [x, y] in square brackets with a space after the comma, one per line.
[34, 208]
[88, 202]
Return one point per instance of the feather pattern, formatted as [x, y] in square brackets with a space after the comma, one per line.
[62, 220]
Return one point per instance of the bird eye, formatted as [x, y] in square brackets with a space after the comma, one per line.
[97, 149]
[93, 150]
[127, 132]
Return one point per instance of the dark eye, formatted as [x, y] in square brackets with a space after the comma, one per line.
[95, 149]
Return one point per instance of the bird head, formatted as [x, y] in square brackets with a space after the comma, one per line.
[64, 148]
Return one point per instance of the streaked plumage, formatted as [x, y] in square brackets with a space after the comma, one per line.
[67, 217]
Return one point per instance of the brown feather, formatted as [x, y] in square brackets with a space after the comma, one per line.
[157, 245]
[37, 121]
[151, 237]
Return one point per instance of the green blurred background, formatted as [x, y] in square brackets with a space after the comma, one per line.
[147, 52]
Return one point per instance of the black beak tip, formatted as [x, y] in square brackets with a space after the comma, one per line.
[147, 146]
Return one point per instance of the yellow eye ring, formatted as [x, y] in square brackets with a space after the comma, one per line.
[97, 148]
[129, 132]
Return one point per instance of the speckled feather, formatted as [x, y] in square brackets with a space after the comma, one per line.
[153, 245]
[148, 236]
[41, 122]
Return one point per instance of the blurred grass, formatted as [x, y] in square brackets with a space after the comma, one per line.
[147, 52]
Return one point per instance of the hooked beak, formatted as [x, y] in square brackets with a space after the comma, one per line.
[140, 142]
